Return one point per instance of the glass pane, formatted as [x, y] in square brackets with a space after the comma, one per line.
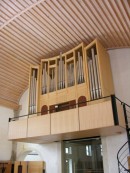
[83, 156]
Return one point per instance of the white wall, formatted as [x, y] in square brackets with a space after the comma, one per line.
[5, 145]
[120, 63]
[50, 153]
[24, 103]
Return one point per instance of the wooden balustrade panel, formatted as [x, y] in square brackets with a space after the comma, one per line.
[18, 129]
[5, 166]
[35, 167]
[96, 116]
[65, 121]
[23, 164]
[39, 126]
[29, 167]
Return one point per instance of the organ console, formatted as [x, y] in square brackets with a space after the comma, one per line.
[81, 73]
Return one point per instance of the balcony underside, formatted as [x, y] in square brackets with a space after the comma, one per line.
[106, 131]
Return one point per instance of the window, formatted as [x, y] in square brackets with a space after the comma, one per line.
[68, 150]
[82, 156]
[88, 150]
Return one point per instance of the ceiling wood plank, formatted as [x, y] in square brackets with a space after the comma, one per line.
[51, 25]
[49, 28]
[21, 32]
[12, 49]
[16, 42]
[13, 59]
[47, 35]
[9, 104]
[34, 33]
[19, 14]
[62, 21]
[12, 72]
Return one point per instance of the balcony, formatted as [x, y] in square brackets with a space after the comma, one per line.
[102, 117]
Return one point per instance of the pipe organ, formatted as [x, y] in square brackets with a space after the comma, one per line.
[80, 74]
[74, 91]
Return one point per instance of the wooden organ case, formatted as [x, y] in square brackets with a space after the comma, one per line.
[98, 71]
[77, 76]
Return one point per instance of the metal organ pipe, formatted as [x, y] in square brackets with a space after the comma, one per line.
[30, 103]
[80, 72]
[53, 79]
[90, 78]
[82, 69]
[62, 74]
[59, 75]
[60, 70]
[50, 80]
[44, 79]
[79, 69]
[98, 78]
[71, 74]
[95, 73]
[33, 89]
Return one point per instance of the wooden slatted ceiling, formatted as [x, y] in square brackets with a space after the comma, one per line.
[35, 29]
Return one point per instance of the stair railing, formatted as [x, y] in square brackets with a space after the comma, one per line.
[124, 151]
[122, 158]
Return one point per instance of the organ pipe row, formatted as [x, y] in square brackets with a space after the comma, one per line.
[83, 71]
[62, 73]
[44, 79]
[80, 72]
[33, 91]
[93, 72]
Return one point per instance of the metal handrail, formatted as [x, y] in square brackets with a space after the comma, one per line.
[122, 102]
[48, 110]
